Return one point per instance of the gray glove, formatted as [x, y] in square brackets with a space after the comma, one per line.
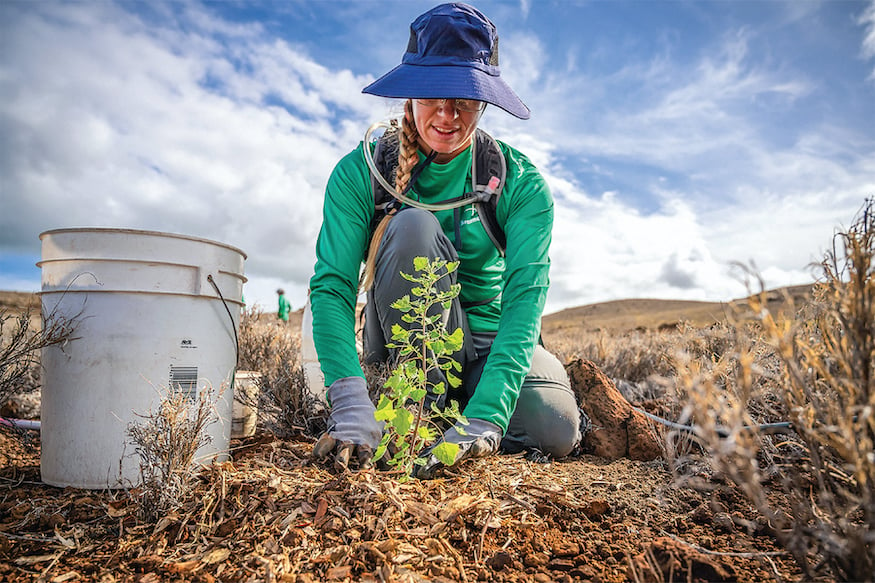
[351, 424]
[477, 439]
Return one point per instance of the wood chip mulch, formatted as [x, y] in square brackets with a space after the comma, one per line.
[273, 515]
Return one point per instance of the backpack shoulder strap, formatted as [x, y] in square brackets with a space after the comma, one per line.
[490, 163]
[386, 159]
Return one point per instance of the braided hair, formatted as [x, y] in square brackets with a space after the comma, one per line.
[408, 157]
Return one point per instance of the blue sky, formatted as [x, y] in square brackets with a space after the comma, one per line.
[678, 137]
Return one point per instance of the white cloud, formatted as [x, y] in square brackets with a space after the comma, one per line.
[525, 7]
[867, 20]
[120, 123]
[603, 244]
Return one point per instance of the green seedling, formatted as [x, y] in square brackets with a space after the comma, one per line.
[423, 346]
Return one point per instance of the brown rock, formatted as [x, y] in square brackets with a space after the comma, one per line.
[617, 430]
[561, 564]
[499, 561]
[535, 559]
[596, 508]
[565, 548]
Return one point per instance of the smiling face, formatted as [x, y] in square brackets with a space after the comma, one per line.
[444, 128]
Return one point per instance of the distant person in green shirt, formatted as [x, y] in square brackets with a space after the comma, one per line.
[515, 394]
[284, 307]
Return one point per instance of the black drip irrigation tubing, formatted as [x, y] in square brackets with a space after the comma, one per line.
[20, 424]
[766, 428]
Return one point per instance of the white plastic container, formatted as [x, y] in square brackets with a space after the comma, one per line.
[313, 377]
[244, 416]
[149, 321]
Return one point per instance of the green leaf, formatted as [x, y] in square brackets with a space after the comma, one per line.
[426, 433]
[385, 409]
[455, 340]
[446, 452]
[402, 304]
[403, 421]
[420, 263]
[451, 412]
[381, 451]
[401, 448]
[394, 381]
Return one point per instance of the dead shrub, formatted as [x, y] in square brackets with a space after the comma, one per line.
[166, 441]
[633, 356]
[817, 370]
[20, 346]
[273, 348]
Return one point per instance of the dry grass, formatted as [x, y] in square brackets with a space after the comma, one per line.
[803, 355]
[21, 340]
[815, 370]
[273, 348]
[166, 441]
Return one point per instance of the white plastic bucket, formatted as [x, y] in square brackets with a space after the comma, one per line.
[244, 415]
[149, 321]
[313, 377]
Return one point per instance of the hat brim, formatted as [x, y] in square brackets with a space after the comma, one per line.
[451, 82]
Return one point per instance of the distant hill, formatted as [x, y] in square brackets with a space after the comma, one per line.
[18, 301]
[620, 315]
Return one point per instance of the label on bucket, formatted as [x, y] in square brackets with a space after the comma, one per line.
[183, 379]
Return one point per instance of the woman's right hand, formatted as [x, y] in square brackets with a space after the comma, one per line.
[352, 429]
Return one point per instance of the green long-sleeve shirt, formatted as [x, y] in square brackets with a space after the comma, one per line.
[283, 308]
[518, 281]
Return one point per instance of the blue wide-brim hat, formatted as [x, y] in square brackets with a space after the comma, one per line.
[452, 53]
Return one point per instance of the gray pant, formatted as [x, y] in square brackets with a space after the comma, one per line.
[546, 415]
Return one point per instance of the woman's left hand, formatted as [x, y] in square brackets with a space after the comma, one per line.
[477, 439]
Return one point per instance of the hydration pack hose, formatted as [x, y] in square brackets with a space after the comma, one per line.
[441, 206]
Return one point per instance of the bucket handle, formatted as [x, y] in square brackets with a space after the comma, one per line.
[231, 317]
